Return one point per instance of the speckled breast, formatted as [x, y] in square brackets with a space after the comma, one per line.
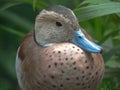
[65, 67]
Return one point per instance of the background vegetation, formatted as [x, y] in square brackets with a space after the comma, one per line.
[100, 18]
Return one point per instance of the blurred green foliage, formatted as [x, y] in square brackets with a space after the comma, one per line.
[101, 18]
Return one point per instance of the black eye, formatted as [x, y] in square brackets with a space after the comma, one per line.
[58, 24]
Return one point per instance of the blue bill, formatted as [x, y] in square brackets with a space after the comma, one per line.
[80, 40]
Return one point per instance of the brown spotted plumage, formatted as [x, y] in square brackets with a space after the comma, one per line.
[58, 64]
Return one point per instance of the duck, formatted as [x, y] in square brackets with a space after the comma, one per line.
[58, 54]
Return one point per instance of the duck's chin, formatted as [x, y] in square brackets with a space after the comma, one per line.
[45, 44]
[48, 44]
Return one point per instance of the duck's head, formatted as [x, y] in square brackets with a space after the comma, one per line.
[58, 24]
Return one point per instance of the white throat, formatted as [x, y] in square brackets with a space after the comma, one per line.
[48, 44]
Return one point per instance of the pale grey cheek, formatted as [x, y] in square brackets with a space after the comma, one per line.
[43, 41]
[53, 35]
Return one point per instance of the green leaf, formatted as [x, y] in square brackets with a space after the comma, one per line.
[93, 11]
[27, 25]
[34, 4]
[37, 4]
[111, 34]
[113, 62]
[16, 32]
[112, 72]
[94, 1]
[8, 5]
[111, 52]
